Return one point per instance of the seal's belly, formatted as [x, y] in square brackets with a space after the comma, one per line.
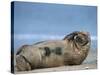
[53, 61]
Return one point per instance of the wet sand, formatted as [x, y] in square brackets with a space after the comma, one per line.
[63, 68]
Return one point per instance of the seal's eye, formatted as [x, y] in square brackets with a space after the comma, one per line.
[79, 39]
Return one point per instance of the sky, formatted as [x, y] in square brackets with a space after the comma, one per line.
[43, 20]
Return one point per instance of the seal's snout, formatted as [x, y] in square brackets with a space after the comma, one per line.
[86, 33]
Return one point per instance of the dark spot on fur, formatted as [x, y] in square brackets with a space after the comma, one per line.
[40, 48]
[39, 42]
[47, 51]
[58, 51]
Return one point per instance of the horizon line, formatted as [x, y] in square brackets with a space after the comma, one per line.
[43, 36]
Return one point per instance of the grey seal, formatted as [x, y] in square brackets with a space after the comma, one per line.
[71, 50]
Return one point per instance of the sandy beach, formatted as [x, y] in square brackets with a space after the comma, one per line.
[63, 68]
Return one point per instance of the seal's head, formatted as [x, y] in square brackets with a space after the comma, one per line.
[79, 44]
[81, 38]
